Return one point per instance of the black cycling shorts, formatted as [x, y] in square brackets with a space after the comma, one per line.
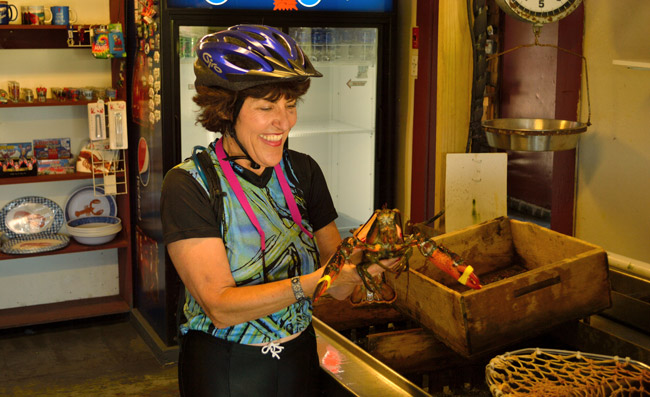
[209, 366]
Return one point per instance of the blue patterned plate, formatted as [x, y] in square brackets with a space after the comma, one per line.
[35, 244]
[84, 202]
[29, 216]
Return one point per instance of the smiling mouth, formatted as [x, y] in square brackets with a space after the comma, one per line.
[272, 138]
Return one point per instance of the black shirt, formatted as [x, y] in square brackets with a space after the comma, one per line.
[187, 213]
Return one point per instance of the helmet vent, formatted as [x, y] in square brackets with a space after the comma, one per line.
[276, 55]
[255, 36]
[282, 41]
[210, 38]
[243, 62]
[236, 41]
[301, 57]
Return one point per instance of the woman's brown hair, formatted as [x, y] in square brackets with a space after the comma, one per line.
[220, 107]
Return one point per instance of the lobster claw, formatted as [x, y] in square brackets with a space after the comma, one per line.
[447, 261]
[330, 273]
[333, 268]
[322, 286]
[467, 276]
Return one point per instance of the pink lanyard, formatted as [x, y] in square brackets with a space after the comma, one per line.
[241, 197]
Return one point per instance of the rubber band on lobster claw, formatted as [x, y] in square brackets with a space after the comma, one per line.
[449, 263]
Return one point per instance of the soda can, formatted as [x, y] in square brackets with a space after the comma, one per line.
[303, 38]
[183, 45]
[369, 41]
[330, 43]
[318, 43]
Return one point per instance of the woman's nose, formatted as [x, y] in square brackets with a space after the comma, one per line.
[284, 119]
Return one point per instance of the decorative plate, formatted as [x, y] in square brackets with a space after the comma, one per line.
[35, 244]
[31, 215]
[99, 220]
[83, 203]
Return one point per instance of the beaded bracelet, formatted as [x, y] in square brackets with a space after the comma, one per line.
[298, 293]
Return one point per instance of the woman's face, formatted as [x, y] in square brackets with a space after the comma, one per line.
[262, 128]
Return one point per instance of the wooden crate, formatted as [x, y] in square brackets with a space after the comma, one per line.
[533, 279]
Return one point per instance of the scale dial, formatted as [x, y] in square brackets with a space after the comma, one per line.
[538, 12]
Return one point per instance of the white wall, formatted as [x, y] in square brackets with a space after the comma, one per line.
[613, 192]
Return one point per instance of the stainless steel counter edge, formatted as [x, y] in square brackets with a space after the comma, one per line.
[359, 372]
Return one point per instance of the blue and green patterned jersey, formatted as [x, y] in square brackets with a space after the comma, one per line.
[289, 252]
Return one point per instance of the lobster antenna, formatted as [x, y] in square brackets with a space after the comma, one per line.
[435, 217]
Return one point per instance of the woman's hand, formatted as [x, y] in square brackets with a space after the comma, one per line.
[348, 278]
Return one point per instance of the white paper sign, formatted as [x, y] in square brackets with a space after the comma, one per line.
[475, 188]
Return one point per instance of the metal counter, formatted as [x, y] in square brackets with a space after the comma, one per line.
[359, 373]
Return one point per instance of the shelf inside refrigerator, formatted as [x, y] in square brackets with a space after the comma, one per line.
[308, 128]
[326, 63]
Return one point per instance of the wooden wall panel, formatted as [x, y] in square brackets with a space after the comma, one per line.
[454, 89]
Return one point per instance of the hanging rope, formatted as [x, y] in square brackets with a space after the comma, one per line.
[536, 32]
[477, 22]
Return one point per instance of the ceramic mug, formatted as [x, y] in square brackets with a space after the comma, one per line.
[61, 15]
[8, 13]
[35, 15]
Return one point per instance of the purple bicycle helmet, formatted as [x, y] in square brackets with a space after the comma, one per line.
[244, 56]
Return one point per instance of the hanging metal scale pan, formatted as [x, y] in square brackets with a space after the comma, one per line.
[536, 135]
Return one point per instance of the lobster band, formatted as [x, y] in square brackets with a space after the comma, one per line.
[465, 276]
[327, 279]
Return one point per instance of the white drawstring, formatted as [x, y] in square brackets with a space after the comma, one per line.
[274, 348]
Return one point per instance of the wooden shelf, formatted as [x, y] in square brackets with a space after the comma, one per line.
[14, 37]
[33, 27]
[120, 241]
[48, 102]
[45, 178]
[63, 311]
[52, 178]
[33, 36]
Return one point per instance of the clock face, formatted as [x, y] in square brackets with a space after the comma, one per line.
[539, 11]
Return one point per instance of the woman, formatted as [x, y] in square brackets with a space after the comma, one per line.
[249, 272]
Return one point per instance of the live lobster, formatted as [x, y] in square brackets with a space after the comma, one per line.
[381, 237]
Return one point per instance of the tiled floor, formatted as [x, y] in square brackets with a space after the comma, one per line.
[102, 357]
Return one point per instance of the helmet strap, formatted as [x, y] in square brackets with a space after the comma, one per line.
[246, 156]
[235, 113]
[239, 102]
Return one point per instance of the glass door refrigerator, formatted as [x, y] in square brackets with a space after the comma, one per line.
[345, 121]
